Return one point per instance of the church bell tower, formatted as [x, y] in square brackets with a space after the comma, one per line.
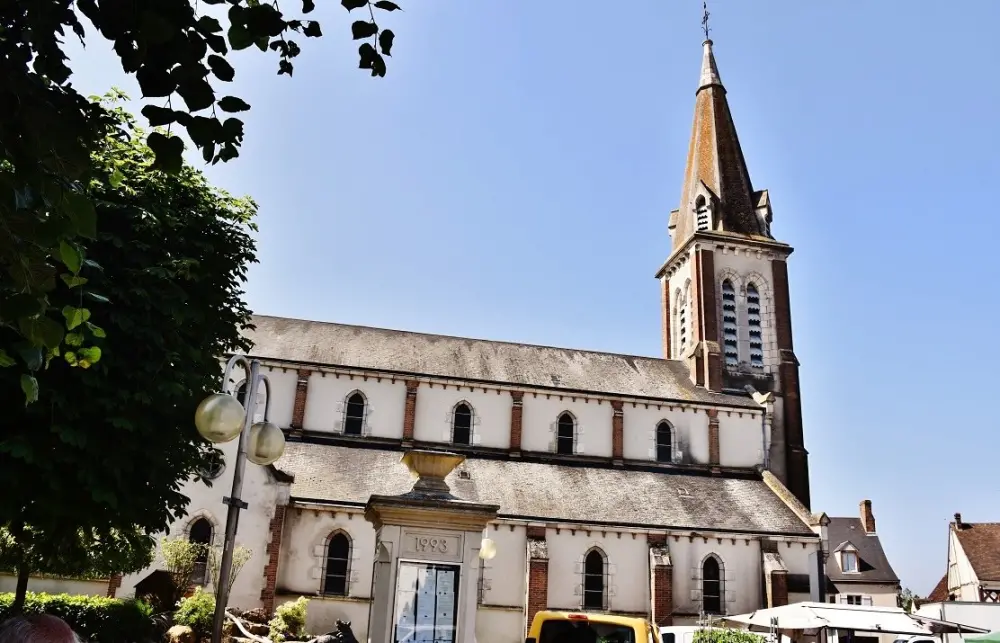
[725, 299]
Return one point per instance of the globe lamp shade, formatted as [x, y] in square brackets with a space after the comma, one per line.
[219, 418]
[265, 444]
[487, 549]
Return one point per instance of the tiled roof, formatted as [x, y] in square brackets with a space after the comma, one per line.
[874, 566]
[940, 591]
[479, 360]
[981, 543]
[557, 492]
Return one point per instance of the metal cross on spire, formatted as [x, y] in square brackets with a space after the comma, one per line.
[704, 19]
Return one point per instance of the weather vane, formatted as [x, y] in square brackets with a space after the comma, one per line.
[704, 19]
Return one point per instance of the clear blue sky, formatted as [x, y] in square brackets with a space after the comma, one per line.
[512, 176]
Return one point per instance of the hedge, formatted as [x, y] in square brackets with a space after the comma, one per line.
[94, 618]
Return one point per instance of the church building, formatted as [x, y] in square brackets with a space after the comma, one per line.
[672, 487]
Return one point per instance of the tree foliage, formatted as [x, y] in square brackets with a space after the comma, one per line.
[105, 450]
[179, 52]
[725, 635]
[180, 557]
[241, 556]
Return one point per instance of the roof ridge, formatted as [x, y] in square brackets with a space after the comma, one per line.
[469, 339]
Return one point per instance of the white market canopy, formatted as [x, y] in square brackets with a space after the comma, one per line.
[817, 616]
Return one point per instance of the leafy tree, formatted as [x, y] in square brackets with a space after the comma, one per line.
[177, 50]
[87, 553]
[241, 556]
[905, 599]
[180, 557]
[106, 449]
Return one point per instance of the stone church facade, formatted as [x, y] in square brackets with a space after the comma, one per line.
[669, 487]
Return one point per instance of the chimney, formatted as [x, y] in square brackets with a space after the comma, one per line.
[867, 518]
[958, 522]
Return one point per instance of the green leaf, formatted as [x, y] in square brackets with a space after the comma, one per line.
[158, 116]
[197, 94]
[21, 305]
[116, 178]
[168, 151]
[221, 68]
[239, 37]
[30, 387]
[41, 331]
[98, 298]
[208, 25]
[91, 354]
[351, 5]
[96, 330]
[385, 5]
[233, 104]
[70, 358]
[363, 29]
[367, 54]
[81, 211]
[74, 339]
[73, 281]
[75, 316]
[385, 41]
[312, 30]
[308, 6]
[155, 82]
[71, 256]
[32, 356]
[5, 359]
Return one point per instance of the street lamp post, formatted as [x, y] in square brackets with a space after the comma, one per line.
[220, 418]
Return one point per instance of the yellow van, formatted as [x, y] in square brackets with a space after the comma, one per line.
[584, 627]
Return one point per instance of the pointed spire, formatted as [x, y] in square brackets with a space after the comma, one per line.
[709, 70]
[717, 193]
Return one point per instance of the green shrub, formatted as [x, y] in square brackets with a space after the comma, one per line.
[197, 611]
[726, 636]
[94, 618]
[289, 620]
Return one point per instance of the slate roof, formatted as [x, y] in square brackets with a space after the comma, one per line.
[981, 543]
[873, 564]
[545, 491]
[479, 360]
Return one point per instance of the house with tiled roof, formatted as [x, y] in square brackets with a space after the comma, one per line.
[669, 487]
[973, 561]
[857, 567]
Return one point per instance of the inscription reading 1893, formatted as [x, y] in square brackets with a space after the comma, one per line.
[431, 545]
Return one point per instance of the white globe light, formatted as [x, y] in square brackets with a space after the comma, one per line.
[265, 444]
[487, 549]
[219, 418]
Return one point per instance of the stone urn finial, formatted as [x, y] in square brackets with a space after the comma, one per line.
[430, 468]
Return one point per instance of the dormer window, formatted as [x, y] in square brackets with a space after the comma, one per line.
[849, 562]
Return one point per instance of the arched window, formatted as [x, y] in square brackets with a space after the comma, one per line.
[755, 331]
[711, 586]
[338, 565]
[566, 436]
[354, 414]
[730, 327]
[461, 425]
[703, 216]
[200, 533]
[593, 580]
[664, 442]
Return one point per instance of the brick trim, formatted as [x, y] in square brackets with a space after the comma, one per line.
[273, 553]
[713, 436]
[113, 584]
[410, 411]
[782, 304]
[538, 588]
[301, 393]
[617, 430]
[516, 413]
[661, 585]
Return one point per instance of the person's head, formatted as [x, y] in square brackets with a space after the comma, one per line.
[36, 628]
